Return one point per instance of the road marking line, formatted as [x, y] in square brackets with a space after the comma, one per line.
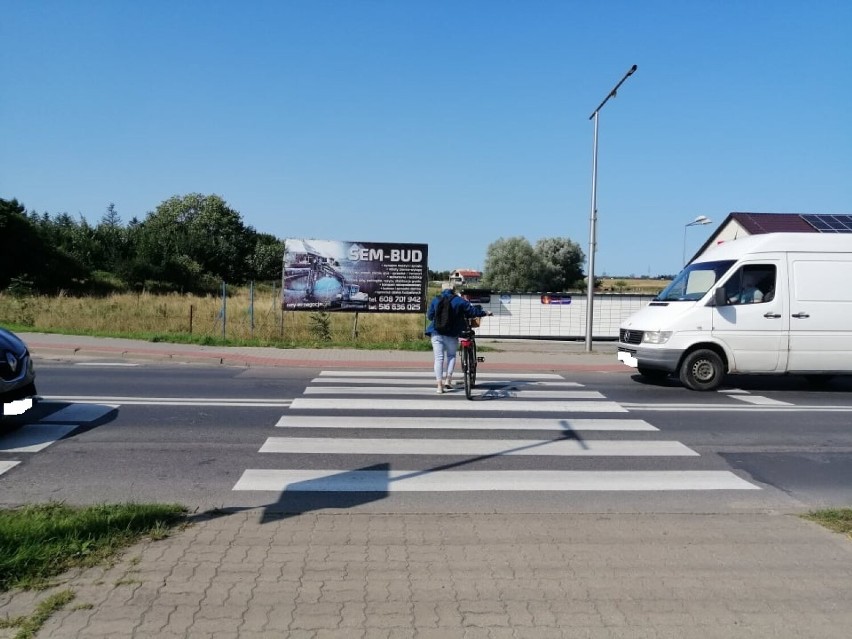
[762, 401]
[430, 374]
[104, 364]
[733, 391]
[173, 401]
[497, 480]
[486, 392]
[563, 447]
[716, 408]
[468, 423]
[457, 402]
[160, 399]
[6, 466]
[33, 438]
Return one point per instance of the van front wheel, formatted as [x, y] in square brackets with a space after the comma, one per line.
[702, 370]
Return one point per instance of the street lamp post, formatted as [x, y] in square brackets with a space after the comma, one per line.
[700, 220]
[590, 291]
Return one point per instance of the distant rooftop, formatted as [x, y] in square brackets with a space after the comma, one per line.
[760, 223]
[757, 223]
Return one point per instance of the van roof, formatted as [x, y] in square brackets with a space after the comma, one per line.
[779, 242]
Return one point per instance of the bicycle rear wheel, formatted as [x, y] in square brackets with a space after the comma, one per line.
[469, 368]
[473, 360]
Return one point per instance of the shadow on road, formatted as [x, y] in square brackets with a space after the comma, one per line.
[351, 488]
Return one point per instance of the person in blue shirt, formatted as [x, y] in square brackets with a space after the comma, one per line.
[445, 345]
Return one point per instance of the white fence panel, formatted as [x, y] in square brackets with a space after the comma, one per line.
[560, 316]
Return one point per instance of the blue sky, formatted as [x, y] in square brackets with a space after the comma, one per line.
[451, 123]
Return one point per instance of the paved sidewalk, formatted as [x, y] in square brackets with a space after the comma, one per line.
[258, 574]
[529, 355]
[446, 576]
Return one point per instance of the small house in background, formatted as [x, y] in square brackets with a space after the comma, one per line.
[465, 276]
[743, 224]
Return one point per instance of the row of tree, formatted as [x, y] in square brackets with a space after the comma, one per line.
[189, 243]
[192, 243]
[553, 264]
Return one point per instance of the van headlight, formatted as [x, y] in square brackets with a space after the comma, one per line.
[656, 337]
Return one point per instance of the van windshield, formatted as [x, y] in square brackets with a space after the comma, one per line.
[694, 281]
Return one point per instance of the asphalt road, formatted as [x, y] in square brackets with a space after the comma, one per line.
[207, 437]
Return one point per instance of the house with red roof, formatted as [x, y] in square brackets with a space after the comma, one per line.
[465, 276]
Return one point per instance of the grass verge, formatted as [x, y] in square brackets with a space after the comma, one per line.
[41, 541]
[836, 519]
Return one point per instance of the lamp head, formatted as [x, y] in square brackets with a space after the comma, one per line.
[701, 219]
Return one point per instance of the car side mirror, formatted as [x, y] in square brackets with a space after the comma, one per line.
[719, 296]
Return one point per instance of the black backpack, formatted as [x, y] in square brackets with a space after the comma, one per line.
[444, 315]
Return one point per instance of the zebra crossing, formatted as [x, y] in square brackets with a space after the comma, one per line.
[424, 461]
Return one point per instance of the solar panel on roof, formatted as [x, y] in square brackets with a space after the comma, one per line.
[830, 223]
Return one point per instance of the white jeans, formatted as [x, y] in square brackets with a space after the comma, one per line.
[441, 345]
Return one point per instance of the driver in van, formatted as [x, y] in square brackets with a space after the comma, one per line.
[750, 293]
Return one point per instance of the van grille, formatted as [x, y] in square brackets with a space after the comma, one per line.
[630, 337]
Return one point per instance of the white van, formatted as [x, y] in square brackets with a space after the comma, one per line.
[771, 303]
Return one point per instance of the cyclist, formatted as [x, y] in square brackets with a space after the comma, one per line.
[445, 344]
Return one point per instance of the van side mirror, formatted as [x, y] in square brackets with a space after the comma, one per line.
[719, 296]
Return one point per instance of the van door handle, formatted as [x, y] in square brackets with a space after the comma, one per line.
[772, 315]
[801, 316]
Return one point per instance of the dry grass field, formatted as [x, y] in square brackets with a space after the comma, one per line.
[202, 319]
[175, 317]
[633, 285]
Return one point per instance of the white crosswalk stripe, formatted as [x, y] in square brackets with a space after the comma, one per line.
[35, 437]
[519, 403]
[562, 447]
[6, 466]
[489, 393]
[499, 480]
[466, 423]
[457, 402]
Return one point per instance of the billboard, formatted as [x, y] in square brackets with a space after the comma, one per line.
[373, 277]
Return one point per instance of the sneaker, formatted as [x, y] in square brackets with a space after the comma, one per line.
[449, 384]
[439, 390]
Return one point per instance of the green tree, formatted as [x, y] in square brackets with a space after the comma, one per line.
[562, 263]
[511, 264]
[111, 241]
[28, 253]
[438, 275]
[267, 259]
[195, 233]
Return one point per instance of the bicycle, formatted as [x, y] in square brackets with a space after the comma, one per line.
[469, 358]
